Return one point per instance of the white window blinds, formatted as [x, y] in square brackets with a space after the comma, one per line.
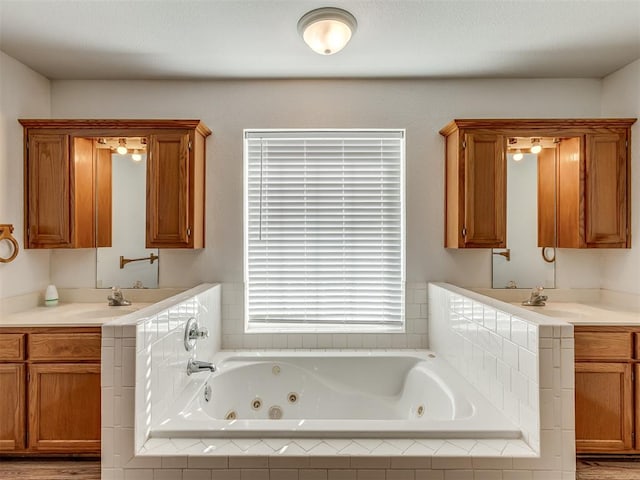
[324, 230]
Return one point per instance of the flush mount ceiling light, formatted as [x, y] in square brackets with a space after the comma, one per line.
[122, 146]
[327, 30]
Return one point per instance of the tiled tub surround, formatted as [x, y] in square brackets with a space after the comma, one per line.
[235, 338]
[307, 458]
[521, 360]
[143, 353]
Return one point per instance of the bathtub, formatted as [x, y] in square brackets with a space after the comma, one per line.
[332, 394]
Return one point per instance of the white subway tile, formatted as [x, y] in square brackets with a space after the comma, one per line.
[532, 338]
[503, 324]
[519, 332]
[503, 374]
[354, 340]
[510, 354]
[520, 386]
[528, 364]
[490, 318]
[339, 340]
[478, 313]
[420, 295]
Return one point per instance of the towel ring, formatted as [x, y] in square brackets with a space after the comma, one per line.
[5, 234]
[546, 257]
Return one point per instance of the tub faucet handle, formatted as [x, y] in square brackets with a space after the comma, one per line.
[198, 332]
[192, 333]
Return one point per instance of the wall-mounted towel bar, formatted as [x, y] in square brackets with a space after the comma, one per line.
[6, 231]
[123, 261]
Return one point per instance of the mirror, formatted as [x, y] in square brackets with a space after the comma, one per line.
[121, 258]
[529, 259]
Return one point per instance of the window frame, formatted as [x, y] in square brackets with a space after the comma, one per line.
[302, 327]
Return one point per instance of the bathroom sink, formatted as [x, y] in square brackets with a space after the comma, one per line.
[583, 313]
[559, 313]
[95, 311]
[108, 312]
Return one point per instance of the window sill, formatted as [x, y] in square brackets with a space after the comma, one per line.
[312, 329]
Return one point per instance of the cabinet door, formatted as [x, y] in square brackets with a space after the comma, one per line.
[169, 198]
[547, 198]
[606, 190]
[485, 191]
[48, 191]
[64, 408]
[570, 193]
[12, 407]
[604, 408]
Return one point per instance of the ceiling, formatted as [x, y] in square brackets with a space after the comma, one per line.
[208, 39]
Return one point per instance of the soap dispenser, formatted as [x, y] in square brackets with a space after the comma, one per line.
[51, 296]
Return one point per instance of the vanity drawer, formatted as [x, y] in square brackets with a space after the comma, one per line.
[52, 347]
[11, 347]
[597, 345]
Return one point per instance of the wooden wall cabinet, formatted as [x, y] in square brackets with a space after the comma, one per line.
[606, 384]
[62, 164]
[476, 206]
[590, 206]
[50, 384]
[175, 190]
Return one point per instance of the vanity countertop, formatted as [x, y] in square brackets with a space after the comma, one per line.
[579, 313]
[74, 314]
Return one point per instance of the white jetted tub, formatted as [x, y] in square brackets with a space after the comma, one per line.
[332, 394]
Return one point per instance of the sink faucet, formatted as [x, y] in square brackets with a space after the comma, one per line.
[536, 299]
[116, 299]
[195, 366]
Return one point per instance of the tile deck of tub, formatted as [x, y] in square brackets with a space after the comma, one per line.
[319, 447]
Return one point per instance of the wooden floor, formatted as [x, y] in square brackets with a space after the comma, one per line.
[49, 469]
[598, 469]
[45, 469]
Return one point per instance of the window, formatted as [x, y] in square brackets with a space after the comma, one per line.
[324, 230]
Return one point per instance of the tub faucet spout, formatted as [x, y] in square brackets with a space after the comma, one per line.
[536, 299]
[195, 366]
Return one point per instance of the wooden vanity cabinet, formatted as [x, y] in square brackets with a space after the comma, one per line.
[12, 386]
[592, 182]
[607, 389]
[50, 384]
[62, 164]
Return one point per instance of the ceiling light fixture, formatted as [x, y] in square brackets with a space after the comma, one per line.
[535, 146]
[518, 155]
[122, 147]
[136, 156]
[327, 30]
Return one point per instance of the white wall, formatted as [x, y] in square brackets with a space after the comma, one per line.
[420, 106]
[621, 98]
[23, 94]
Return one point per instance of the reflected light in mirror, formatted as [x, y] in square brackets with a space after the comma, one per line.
[518, 155]
[136, 156]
